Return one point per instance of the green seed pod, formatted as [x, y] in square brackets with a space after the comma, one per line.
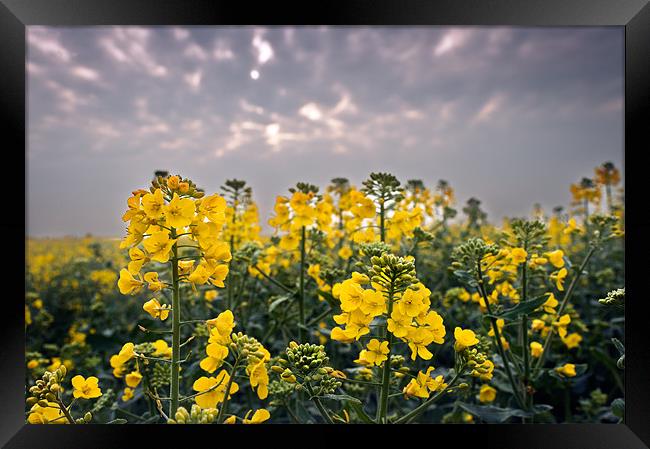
[43, 403]
[31, 401]
[88, 417]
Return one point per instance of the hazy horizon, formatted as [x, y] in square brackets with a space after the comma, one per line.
[509, 115]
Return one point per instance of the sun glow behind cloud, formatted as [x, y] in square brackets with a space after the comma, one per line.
[108, 105]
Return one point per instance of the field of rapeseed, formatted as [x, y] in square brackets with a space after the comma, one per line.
[380, 303]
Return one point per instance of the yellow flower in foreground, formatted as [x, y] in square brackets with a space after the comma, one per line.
[258, 417]
[464, 339]
[127, 284]
[375, 353]
[556, 258]
[155, 284]
[559, 278]
[487, 393]
[152, 204]
[536, 349]
[572, 340]
[179, 212]
[156, 310]
[550, 304]
[214, 207]
[162, 349]
[86, 388]
[159, 245]
[217, 389]
[51, 414]
[133, 379]
[232, 419]
[567, 370]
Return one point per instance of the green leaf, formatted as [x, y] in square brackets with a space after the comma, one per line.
[118, 421]
[466, 277]
[342, 397]
[618, 407]
[358, 408]
[522, 308]
[619, 346]
[277, 302]
[493, 415]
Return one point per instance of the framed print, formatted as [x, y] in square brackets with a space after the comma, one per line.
[342, 215]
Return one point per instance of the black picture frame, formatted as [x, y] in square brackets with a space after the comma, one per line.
[633, 15]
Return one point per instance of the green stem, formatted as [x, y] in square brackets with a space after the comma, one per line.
[273, 281]
[319, 404]
[385, 383]
[65, 410]
[301, 297]
[290, 412]
[524, 332]
[319, 317]
[565, 301]
[497, 337]
[224, 406]
[176, 331]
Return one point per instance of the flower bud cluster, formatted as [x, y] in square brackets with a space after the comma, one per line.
[384, 186]
[196, 415]
[247, 347]
[389, 271]
[160, 375]
[176, 184]
[47, 388]
[280, 389]
[469, 254]
[614, 298]
[477, 363]
[307, 364]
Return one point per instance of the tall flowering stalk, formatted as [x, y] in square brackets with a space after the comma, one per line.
[402, 306]
[296, 215]
[173, 224]
[241, 226]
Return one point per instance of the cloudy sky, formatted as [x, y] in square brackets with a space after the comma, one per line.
[510, 115]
